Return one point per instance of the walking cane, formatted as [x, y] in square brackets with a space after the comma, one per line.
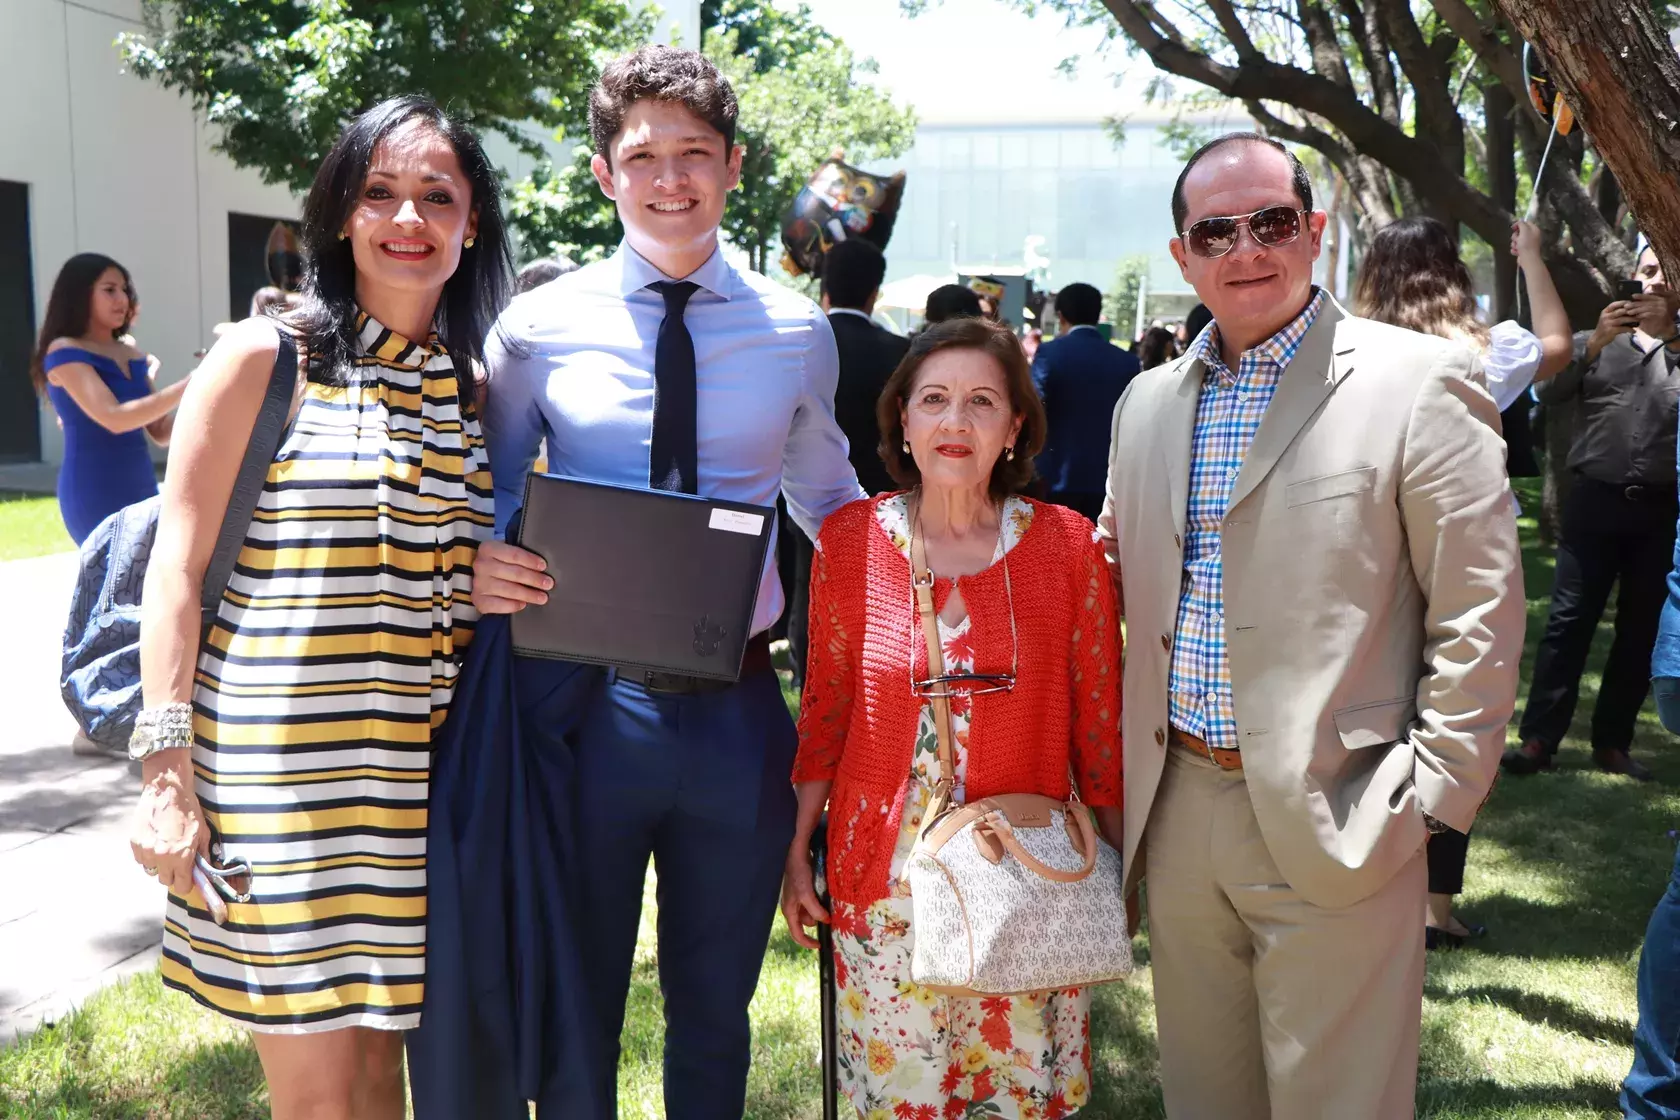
[825, 975]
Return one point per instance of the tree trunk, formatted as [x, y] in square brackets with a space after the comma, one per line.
[1619, 72]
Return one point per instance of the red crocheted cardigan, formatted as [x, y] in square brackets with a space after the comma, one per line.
[857, 726]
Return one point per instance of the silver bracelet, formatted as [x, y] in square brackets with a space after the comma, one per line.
[161, 729]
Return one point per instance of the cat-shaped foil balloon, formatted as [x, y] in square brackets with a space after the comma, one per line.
[839, 202]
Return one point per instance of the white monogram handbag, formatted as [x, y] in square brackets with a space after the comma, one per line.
[1011, 894]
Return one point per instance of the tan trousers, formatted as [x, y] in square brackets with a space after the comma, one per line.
[1271, 1008]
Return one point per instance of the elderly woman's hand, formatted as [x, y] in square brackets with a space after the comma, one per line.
[799, 897]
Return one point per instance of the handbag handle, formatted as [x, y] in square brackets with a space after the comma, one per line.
[263, 444]
[921, 579]
[1077, 819]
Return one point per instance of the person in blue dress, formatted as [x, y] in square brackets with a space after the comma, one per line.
[101, 386]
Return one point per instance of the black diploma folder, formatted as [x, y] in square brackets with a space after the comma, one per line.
[643, 579]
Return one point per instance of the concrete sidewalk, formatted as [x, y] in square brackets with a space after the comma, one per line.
[76, 912]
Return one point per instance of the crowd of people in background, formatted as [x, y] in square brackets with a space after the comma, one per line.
[1322, 547]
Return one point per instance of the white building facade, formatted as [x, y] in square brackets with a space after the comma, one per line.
[93, 159]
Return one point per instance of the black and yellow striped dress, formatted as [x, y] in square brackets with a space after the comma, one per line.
[332, 661]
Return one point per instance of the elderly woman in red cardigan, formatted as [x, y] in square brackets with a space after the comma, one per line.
[1031, 650]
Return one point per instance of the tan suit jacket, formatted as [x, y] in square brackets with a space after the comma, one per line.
[1373, 597]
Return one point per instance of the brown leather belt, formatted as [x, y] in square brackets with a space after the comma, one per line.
[755, 659]
[1219, 756]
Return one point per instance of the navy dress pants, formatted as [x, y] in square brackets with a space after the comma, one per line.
[702, 786]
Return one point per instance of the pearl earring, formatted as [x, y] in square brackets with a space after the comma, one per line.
[342, 235]
[1009, 453]
[907, 447]
[468, 243]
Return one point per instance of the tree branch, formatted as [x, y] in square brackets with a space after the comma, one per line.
[1373, 49]
[1433, 110]
[1232, 25]
[1502, 62]
[1328, 60]
[1338, 105]
[1430, 80]
[1368, 178]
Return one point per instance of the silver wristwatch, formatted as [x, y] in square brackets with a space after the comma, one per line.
[161, 729]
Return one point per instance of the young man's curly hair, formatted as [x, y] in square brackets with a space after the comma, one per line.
[660, 73]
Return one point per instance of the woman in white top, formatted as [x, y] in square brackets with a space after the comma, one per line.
[1413, 277]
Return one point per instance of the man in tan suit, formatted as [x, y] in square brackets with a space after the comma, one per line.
[1312, 534]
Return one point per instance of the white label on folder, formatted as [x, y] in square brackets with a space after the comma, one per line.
[734, 521]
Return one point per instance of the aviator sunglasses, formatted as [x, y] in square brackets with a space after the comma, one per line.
[1214, 237]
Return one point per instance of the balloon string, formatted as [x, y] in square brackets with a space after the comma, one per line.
[1534, 202]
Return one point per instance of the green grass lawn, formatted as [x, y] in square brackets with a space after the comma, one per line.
[30, 526]
[1532, 1024]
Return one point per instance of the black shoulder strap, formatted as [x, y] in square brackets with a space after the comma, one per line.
[253, 472]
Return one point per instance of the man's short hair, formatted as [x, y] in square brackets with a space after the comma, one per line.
[660, 73]
[1080, 304]
[852, 272]
[952, 301]
[1298, 172]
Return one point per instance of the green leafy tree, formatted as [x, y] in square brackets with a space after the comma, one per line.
[281, 77]
[1121, 301]
[562, 212]
[800, 98]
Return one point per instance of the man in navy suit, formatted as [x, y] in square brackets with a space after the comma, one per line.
[1080, 375]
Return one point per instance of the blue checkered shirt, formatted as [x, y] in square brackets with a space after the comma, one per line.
[1227, 416]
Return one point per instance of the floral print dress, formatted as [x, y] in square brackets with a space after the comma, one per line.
[907, 1053]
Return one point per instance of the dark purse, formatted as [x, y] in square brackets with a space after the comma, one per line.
[100, 673]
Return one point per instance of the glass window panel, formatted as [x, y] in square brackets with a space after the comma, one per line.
[986, 152]
[1046, 150]
[1017, 150]
[957, 150]
[1076, 149]
[985, 242]
[1104, 153]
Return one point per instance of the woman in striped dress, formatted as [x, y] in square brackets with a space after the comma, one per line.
[313, 697]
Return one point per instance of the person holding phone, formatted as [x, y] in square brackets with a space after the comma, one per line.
[1617, 523]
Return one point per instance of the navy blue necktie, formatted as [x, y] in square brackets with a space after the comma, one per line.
[673, 462]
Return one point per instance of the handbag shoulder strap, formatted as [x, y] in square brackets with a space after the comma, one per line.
[253, 472]
[921, 579]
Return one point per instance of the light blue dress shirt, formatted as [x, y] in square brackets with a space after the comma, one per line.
[573, 361]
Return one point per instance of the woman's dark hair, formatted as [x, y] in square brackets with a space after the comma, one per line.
[1158, 347]
[70, 305]
[1009, 476]
[472, 297]
[1413, 278]
[660, 73]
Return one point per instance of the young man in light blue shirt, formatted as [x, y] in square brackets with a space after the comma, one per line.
[690, 773]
